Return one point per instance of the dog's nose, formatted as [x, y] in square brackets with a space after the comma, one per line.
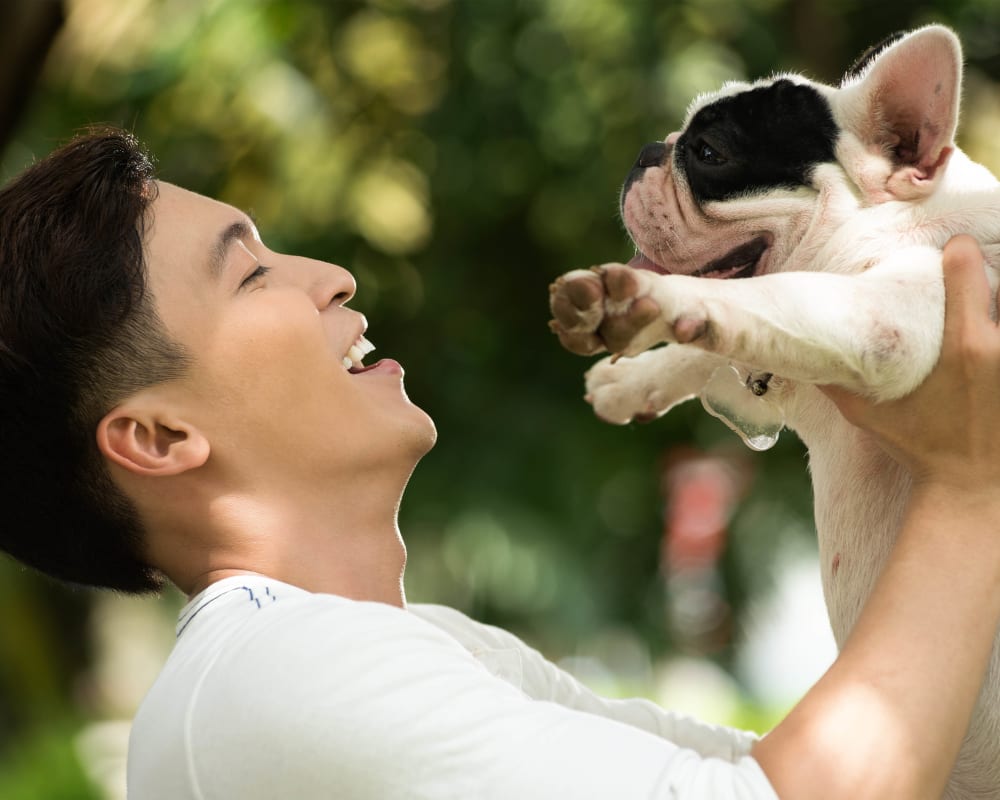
[652, 155]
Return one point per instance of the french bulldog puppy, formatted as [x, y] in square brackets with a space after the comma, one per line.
[820, 212]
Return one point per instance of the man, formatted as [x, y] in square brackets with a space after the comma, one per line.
[180, 402]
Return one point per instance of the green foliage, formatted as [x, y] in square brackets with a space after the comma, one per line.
[457, 155]
[44, 765]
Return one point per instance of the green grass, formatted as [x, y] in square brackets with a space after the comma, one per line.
[44, 766]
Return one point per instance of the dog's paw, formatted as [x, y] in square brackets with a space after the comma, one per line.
[625, 390]
[646, 386]
[611, 308]
[577, 303]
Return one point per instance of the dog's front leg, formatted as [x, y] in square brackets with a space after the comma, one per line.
[877, 332]
[623, 390]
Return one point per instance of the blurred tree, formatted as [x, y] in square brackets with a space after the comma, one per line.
[27, 31]
[457, 156]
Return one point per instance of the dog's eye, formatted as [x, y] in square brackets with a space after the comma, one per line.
[707, 154]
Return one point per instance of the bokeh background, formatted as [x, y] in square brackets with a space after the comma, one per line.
[457, 155]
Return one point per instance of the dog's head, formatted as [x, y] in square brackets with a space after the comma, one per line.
[758, 168]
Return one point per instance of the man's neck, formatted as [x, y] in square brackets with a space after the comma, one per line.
[345, 543]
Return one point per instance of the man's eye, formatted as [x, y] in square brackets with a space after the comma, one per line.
[707, 154]
[254, 276]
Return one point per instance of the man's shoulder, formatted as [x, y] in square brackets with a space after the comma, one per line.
[284, 646]
[462, 627]
[308, 673]
[264, 606]
[256, 617]
[259, 602]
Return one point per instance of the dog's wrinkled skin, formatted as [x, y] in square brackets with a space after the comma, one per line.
[833, 205]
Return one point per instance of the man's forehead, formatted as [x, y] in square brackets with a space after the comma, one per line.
[198, 219]
[177, 198]
[189, 228]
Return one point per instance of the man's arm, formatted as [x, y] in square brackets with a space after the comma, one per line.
[540, 679]
[887, 720]
[326, 697]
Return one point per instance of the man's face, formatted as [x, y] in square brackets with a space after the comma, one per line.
[268, 335]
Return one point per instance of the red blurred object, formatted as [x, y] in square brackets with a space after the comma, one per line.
[701, 492]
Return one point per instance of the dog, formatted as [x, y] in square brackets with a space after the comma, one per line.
[821, 213]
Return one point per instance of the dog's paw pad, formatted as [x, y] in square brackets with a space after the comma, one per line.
[582, 343]
[619, 330]
[584, 292]
[689, 329]
[576, 300]
[622, 284]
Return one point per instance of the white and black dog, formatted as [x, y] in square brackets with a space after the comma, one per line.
[832, 205]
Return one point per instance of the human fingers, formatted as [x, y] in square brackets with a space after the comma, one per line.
[967, 291]
[954, 414]
[851, 406]
[914, 424]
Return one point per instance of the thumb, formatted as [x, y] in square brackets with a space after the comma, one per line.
[850, 405]
[967, 291]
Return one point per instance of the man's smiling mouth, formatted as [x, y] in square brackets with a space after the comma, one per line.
[356, 353]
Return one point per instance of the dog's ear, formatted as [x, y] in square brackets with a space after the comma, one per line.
[898, 114]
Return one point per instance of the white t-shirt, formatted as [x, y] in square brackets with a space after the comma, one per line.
[275, 692]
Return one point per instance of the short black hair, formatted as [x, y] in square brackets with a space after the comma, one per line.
[78, 333]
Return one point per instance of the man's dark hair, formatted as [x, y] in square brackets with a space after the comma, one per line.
[78, 333]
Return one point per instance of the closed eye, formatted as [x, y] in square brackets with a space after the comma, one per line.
[254, 276]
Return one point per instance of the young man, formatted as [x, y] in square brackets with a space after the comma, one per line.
[180, 402]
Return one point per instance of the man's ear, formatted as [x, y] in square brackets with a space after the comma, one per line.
[150, 443]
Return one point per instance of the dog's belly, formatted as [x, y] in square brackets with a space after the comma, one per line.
[860, 495]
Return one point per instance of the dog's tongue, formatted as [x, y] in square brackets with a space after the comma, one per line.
[640, 261]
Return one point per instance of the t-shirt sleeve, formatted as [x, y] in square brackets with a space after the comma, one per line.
[364, 701]
[543, 680]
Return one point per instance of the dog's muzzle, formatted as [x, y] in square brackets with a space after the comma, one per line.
[654, 154]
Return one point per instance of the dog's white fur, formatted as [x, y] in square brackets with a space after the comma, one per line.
[852, 295]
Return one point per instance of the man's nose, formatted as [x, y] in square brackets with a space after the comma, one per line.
[330, 284]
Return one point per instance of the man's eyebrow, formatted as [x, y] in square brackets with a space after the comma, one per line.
[241, 229]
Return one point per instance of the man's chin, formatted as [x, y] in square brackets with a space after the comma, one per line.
[431, 436]
[423, 433]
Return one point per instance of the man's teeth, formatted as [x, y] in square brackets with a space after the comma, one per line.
[358, 351]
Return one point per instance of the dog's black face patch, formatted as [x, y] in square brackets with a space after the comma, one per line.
[764, 138]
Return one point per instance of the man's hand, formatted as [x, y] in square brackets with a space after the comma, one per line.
[948, 429]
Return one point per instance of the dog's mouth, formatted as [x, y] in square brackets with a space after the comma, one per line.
[740, 262]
